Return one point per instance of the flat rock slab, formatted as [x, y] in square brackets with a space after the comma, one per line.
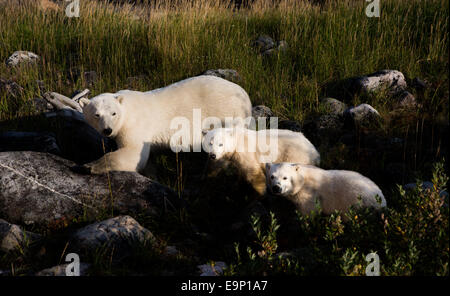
[39, 188]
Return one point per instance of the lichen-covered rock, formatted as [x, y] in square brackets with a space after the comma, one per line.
[40, 188]
[228, 74]
[391, 80]
[261, 111]
[363, 115]
[20, 57]
[12, 236]
[333, 106]
[120, 232]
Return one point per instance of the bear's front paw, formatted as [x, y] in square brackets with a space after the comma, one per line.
[81, 169]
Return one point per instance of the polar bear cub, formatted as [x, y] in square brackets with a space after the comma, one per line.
[249, 150]
[140, 120]
[306, 185]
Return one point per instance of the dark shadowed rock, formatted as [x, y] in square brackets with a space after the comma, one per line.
[12, 236]
[261, 111]
[290, 125]
[11, 88]
[420, 84]
[60, 270]
[363, 115]
[325, 128]
[333, 106]
[40, 188]
[405, 100]
[280, 46]
[29, 141]
[77, 140]
[212, 269]
[120, 232]
[228, 74]
[21, 57]
[263, 43]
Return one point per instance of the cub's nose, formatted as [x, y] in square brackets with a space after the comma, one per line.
[213, 156]
[107, 131]
[276, 189]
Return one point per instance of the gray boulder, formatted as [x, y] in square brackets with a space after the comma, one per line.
[391, 80]
[20, 57]
[119, 232]
[263, 43]
[261, 111]
[228, 74]
[12, 236]
[363, 115]
[39, 188]
[333, 106]
[405, 100]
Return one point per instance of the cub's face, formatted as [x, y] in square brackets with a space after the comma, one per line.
[218, 142]
[283, 178]
[104, 113]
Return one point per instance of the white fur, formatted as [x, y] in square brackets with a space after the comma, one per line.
[334, 190]
[143, 119]
[240, 147]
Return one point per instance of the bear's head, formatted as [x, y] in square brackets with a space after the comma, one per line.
[219, 142]
[104, 112]
[284, 178]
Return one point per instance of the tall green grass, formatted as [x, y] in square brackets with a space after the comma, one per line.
[166, 44]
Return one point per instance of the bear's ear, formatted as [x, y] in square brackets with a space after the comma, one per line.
[296, 166]
[268, 165]
[120, 99]
[204, 132]
[83, 102]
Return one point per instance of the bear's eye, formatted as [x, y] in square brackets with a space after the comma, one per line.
[114, 114]
[97, 115]
[284, 178]
[220, 145]
[271, 177]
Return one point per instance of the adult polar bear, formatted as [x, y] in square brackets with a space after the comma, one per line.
[139, 120]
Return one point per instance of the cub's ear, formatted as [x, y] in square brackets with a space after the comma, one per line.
[120, 99]
[268, 165]
[296, 166]
[83, 102]
[204, 132]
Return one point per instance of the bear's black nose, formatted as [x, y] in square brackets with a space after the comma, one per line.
[107, 131]
[276, 189]
[213, 156]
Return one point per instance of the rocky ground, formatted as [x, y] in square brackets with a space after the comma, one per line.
[186, 221]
